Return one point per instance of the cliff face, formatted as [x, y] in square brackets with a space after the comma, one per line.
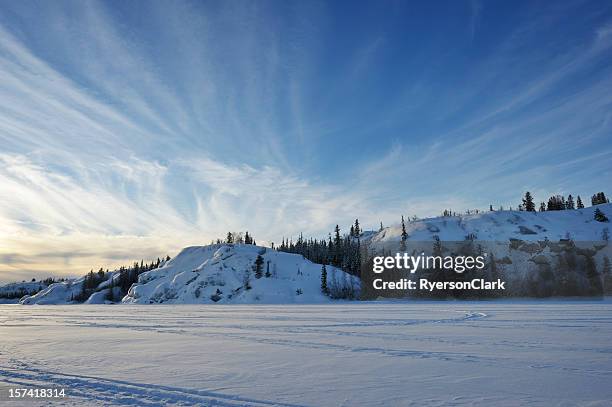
[557, 253]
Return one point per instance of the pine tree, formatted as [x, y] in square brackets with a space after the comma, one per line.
[556, 203]
[599, 216]
[404, 236]
[357, 228]
[437, 246]
[381, 227]
[111, 291]
[569, 204]
[230, 238]
[579, 204]
[599, 198]
[259, 261]
[528, 204]
[337, 247]
[542, 206]
[324, 289]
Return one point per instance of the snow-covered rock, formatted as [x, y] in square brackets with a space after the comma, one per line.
[537, 253]
[58, 293]
[226, 274]
[12, 292]
[523, 244]
[578, 225]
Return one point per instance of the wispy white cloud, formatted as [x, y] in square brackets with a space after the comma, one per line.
[116, 145]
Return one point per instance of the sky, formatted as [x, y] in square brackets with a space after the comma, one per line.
[130, 129]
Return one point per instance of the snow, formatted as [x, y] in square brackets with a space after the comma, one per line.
[352, 354]
[12, 289]
[578, 224]
[57, 293]
[216, 273]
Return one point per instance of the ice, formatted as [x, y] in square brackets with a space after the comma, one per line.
[535, 353]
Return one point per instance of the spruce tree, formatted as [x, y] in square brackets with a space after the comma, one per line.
[404, 236]
[357, 228]
[337, 247]
[259, 261]
[230, 238]
[599, 216]
[437, 246]
[111, 291]
[542, 206]
[324, 289]
[579, 204]
[599, 198]
[569, 204]
[528, 204]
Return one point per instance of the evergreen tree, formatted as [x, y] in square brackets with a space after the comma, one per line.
[579, 204]
[528, 204]
[404, 236]
[556, 203]
[230, 238]
[324, 289]
[357, 228]
[599, 216]
[111, 291]
[259, 261]
[569, 204]
[437, 246]
[542, 206]
[337, 247]
[599, 198]
[490, 208]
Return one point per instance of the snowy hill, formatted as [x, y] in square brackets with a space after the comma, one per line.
[11, 293]
[577, 225]
[67, 292]
[226, 274]
[526, 247]
[212, 274]
[552, 253]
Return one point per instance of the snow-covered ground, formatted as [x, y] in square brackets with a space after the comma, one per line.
[549, 353]
[226, 274]
[501, 226]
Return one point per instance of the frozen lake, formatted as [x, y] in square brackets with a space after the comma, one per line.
[358, 354]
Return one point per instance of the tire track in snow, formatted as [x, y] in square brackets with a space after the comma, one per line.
[118, 392]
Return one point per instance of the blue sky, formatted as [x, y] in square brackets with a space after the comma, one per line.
[135, 128]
